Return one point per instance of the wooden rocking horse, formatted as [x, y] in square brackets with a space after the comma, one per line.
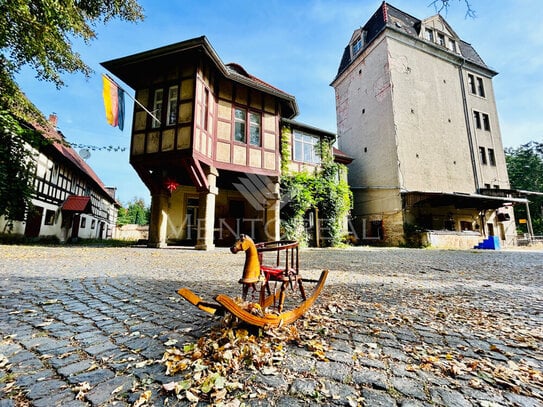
[270, 263]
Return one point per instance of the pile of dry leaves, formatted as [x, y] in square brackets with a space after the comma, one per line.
[212, 368]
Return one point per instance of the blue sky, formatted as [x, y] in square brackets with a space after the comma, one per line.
[295, 46]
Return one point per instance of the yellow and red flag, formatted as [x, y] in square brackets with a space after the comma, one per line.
[113, 102]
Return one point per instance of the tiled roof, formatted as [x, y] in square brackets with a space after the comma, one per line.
[135, 69]
[236, 69]
[77, 203]
[388, 16]
[342, 157]
[60, 146]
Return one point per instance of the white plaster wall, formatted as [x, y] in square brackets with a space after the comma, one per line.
[493, 175]
[365, 119]
[433, 146]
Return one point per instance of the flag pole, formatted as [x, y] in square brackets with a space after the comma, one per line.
[134, 99]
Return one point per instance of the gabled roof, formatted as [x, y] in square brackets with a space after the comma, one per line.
[389, 17]
[62, 150]
[136, 69]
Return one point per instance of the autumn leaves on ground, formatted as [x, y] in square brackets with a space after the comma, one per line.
[218, 367]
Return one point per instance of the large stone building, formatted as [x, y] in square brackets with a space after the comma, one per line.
[207, 139]
[416, 110]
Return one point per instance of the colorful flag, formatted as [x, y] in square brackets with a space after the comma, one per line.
[113, 102]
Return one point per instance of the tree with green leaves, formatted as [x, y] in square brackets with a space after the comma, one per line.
[39, 34]
[525, 170]
[135, 213]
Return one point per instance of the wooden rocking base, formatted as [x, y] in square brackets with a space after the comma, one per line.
[226, 303]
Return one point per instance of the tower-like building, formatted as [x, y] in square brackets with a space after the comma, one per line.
[416, 110]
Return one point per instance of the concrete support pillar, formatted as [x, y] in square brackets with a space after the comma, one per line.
[273, 216]
[159, 220]
[206, 221]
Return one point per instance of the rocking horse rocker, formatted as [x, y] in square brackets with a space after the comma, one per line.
[266, 264]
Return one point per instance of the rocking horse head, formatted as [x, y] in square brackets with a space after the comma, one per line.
[243, 243]
[251, 269]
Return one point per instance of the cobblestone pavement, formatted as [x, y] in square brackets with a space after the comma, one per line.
[405, 327]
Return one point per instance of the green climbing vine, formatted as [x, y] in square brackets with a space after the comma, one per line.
[325, 189]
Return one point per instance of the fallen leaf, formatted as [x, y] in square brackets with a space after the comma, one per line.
[191, 397]
[169, 386]
[143, 399]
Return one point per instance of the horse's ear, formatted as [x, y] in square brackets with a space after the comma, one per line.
[242, 236]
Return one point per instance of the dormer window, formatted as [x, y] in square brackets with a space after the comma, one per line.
[452, 45]
[357, 45]
[441, 39]
[429, 35]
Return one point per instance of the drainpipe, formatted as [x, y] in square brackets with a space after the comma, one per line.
[468, 127]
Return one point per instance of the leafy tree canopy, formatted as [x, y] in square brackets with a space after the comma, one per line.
[525, 170]
[134, 213]
[39, 33]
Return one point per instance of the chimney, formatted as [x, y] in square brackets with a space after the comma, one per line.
[53, 120]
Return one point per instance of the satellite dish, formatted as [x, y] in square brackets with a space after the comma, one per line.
[84, 153]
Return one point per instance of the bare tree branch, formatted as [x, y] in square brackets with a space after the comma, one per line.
[441, 5]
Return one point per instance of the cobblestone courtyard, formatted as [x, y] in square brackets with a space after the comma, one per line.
[404, 327]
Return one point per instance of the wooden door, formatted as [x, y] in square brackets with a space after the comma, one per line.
[33, 221]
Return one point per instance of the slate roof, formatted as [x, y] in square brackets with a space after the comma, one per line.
[386, 17]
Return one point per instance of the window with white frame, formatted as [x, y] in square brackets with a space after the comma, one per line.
[357, 45]
[157, 107]
[250, 131]
[254, 129]
[240, 125]
[306, 148]
[171, 112]
[452, 45]
[429, 34]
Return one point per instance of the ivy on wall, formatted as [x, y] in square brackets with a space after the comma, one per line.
[325, 189]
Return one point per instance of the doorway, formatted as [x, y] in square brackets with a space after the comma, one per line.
[33, 221]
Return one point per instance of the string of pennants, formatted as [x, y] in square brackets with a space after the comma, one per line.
[98, 148]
